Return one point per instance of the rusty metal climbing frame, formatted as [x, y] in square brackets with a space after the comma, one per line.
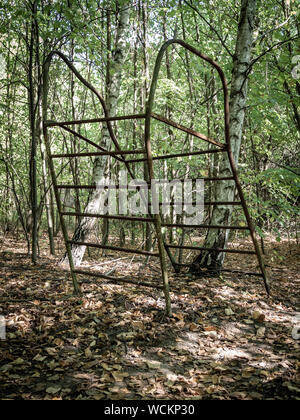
[120, 155]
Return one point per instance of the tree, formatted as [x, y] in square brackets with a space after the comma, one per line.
[86, 225]
[225, 190]
[188, 91]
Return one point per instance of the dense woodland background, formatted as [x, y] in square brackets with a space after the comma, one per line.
[189, 92]
[227, 339]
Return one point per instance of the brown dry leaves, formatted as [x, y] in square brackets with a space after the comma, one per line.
[226, 340]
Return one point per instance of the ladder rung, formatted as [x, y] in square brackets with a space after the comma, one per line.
[88, 141]
[187, 154]
[133, 187]
[223, 203]
[94, 120]
[206, 203]
[224, 178]
[143, 185]
[116, 279]
[76, 187]
[225, 270]
[115, 248]
[94, 187]
[89, 154]
[205, 226]
[199, 248]
[167, 181]
[108, 216]
[247, 273]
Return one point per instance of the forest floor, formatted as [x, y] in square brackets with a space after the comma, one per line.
[226, 340]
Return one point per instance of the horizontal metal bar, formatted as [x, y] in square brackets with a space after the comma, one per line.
[187, 130]
[248, 273]
[76, 187]
[120, 159]
[94, 187]
[115, 279]
[225, 178]
[150, 220]
[167, 181]
[225, 270]
[199, 248]
[137, 116]
[222, 203]
[108, 216]
[205, 226]
[94, 120]
[206, 203]
[88, 154]
[175, 155]
[115, 248]
[134, 187]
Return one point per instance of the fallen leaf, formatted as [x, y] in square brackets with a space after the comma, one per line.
[106, 367]
[119, 376]
[39, 358]
[193, 327]
[210, 328]
[179, 316]
[52, 351]
[229, 311]
[58, 342]
[53, 389]
[19, 361]
[258, 317]
[88, 352]
[126, 336]
[260, 333]
[153, 364]
[291, 387]
[6, 368]
[264, 373]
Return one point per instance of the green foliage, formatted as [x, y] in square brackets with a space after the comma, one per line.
[270, 152]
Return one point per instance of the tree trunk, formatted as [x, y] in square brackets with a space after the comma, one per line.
[87, 224]
[105, 226]
[143, 17]
[225, 190]
[33, 135]
[46, 183]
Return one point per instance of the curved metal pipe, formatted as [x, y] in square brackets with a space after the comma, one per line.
[150, 103]
[90, 87]
[149, 109]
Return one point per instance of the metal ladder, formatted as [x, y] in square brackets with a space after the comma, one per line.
[164, 249]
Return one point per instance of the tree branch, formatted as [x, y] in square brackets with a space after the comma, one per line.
[279, 44]
[211, 27]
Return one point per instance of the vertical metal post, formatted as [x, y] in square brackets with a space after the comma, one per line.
[238, 184]
[61, 217]
[227, 135]
[157, 218]
[249, 222]
[53, 175]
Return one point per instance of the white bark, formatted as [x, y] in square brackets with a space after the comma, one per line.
[225, 190]
[86, 225]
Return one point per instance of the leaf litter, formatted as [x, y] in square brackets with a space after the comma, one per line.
[226, 339]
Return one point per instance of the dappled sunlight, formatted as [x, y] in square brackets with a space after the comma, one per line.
[226, 339]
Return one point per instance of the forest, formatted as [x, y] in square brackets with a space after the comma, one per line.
[150, 191]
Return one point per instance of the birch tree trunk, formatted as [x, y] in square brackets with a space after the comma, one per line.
[85, 227]
[225, 190]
